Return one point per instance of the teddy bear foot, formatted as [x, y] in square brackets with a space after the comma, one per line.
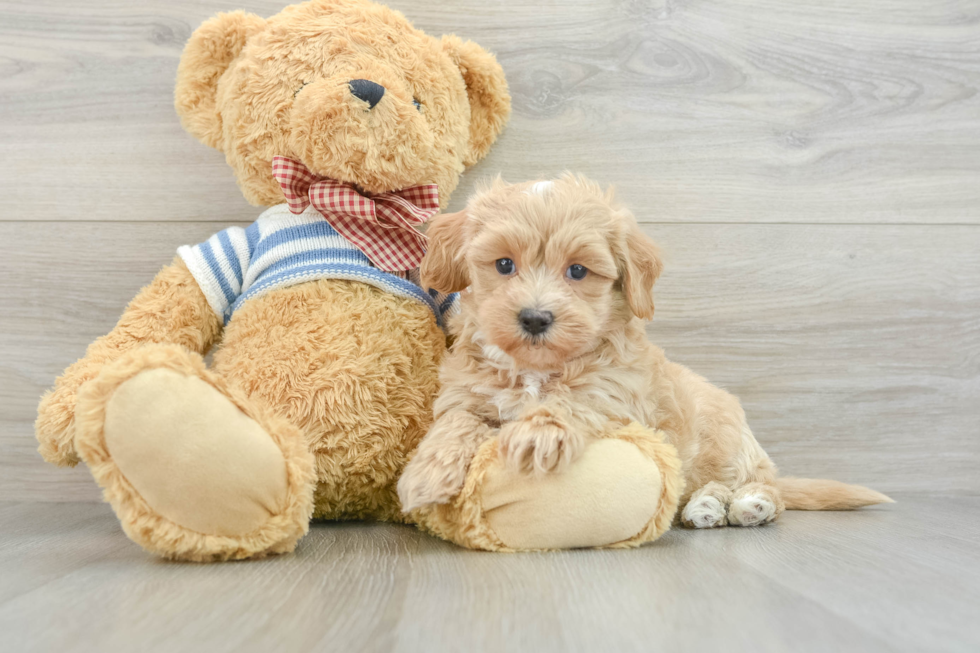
[193, 470]
[622, 492]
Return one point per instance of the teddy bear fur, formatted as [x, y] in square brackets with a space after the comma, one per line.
[329, 383]
[294, 72]
[319, 392]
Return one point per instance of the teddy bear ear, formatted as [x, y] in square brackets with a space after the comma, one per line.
[486, 87]
[207, 55]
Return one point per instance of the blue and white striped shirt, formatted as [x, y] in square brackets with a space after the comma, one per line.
[281, 249]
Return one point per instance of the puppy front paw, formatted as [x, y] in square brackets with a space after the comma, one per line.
[431, 477]
[539, 443]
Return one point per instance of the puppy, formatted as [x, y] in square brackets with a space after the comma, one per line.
[551, 351]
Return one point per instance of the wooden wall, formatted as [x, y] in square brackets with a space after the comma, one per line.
[811, 168]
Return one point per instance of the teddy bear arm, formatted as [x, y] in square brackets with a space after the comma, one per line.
[171, 309]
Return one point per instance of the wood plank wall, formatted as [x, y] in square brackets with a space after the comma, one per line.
[811, 168]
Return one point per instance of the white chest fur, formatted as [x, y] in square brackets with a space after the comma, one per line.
[529, 388]
[509, 390]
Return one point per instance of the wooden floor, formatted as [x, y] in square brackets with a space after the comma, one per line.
[904, 577]
[811, 169]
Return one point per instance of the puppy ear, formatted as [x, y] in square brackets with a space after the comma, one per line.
[486, 87]
[210, 51]
[443, 267]
[641, 267]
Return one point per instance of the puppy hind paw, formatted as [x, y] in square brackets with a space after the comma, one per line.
[751, 510]
[704, 512]
[707, 507]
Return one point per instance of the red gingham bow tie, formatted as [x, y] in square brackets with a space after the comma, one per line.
[382, 226]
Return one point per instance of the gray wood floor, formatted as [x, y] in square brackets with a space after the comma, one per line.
[904, 577]
[812, 171]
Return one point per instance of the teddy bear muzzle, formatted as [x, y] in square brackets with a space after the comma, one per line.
[362, 129]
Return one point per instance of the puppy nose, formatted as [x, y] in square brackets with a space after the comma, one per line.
[535, 322]
[364, 89]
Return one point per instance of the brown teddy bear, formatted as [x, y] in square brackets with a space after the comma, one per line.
[354, 127]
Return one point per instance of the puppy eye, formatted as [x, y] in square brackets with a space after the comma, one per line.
[296, 92]
[576, 272]
[505, 266]
[418, 105]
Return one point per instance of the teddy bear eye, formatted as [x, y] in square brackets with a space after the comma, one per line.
[577, 272]
[505, 266]
[418, 105]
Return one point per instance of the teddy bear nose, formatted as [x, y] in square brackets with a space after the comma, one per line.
[535, 322]
[365, 89]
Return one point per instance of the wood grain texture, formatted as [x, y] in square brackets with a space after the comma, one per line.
[810, 168]
[897, 578]
[743, 111]
[855, 349]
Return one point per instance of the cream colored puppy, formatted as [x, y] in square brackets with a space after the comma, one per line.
[551, 350]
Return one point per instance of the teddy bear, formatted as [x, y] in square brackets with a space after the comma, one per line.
[353, 127]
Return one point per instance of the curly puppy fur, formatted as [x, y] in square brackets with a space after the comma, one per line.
[591, 370]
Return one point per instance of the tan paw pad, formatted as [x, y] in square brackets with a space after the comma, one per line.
[192, 455]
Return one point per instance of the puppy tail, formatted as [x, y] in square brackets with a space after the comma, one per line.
[820, 494]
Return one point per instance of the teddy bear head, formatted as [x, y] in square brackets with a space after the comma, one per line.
[348, 88]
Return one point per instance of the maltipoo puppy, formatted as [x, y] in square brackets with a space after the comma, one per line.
[551, 350]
